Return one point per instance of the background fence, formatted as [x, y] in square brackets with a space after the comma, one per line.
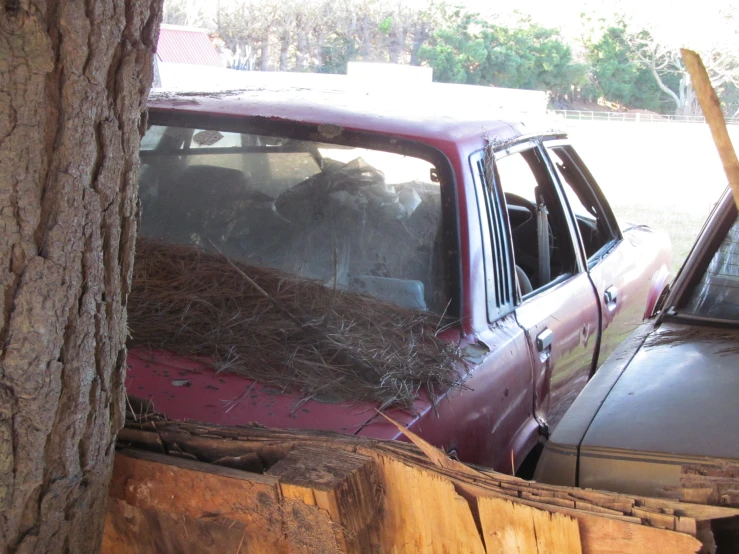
[631, 116]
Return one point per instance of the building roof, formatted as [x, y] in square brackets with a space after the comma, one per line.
[186, 45]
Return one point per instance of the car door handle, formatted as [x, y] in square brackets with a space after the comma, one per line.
[610, 297]
[544, 340]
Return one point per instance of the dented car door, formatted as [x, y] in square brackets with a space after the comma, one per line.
[557, 307]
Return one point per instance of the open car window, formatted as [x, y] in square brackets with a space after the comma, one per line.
[359, 219]
[716, 294]
[595, 226]
[543, 248]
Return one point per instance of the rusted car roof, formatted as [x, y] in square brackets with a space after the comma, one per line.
[432, 118]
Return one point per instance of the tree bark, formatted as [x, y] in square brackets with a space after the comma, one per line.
[285, 40]
[301, 56]
[264, 53]
[74, 77]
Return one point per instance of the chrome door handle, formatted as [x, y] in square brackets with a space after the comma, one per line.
[544, 340]
[610, 297]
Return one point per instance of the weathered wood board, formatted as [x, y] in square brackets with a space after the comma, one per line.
[307, 491]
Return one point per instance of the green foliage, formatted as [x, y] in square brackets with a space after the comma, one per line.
[616, 74]
[462, 47]
[467, 49]
[337, 52]
[456, 49]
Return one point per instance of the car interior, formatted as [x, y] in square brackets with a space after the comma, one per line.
[317, 210]
[542, 247]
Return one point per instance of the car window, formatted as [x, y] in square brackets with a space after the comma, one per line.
[543, 249]
[716, 294]
[594, 226]
[361, 219]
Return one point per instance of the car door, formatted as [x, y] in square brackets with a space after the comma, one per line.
[615, 265]
[556, 304]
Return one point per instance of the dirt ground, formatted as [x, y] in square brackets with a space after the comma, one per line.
[667, 175]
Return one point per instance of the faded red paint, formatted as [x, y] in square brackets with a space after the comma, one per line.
[496, 414]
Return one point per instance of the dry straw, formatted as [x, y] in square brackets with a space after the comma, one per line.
[287, 332]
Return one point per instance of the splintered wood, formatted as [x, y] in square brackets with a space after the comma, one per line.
[306, 491]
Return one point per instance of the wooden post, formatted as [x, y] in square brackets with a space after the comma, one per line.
[711, 107]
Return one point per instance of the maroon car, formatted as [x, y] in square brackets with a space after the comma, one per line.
[497, 226]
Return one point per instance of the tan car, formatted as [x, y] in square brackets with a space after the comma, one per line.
[659, 418]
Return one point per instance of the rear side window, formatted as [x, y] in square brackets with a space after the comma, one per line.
[542, 242]
[360, 219]
[597, 229]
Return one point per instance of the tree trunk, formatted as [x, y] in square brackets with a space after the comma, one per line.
[302, 53]
[320, 43]
[419, 37]
[284, 50]
[397, 40]
[74, 77]
[264, 60]
[366, 42]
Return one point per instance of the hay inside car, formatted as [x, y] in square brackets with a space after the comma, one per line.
[465, 229]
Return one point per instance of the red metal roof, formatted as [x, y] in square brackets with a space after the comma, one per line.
[403, 115]
[184, 45]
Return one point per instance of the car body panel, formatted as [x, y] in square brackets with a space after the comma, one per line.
[641, 252]
[568, 311]
[664, 400]
[191, 389]
[492, 415]
[683, 387]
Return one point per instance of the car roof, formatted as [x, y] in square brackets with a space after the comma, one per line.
[420, 114]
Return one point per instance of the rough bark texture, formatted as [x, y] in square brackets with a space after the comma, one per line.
[74, 76]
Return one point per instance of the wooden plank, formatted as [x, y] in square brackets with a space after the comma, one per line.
[422, 513]
[421, 495]
[132, 530]
[175, 488]
[512, 528]
[711, 106]
[344, 484]
[607, 534]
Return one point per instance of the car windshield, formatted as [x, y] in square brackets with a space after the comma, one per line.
[716, 294]
[360, 219]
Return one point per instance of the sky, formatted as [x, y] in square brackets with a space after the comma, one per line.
[675, 22]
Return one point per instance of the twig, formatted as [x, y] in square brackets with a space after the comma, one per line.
[259, 289]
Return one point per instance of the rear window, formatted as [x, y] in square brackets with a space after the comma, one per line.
[361, 219]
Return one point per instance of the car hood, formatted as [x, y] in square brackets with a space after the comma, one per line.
[187, 388]
[677, 396]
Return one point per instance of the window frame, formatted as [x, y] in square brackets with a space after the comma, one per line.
[535, 143]
[494, 247]
[696, 264]
[264, 126]
[597, 194]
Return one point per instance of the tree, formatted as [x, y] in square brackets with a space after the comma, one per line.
[74, 78]
[616, 74]
[456, 48]
[663, 59]
[655, 45]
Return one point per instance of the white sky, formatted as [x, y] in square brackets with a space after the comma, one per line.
[695, 25]
[675, 22]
